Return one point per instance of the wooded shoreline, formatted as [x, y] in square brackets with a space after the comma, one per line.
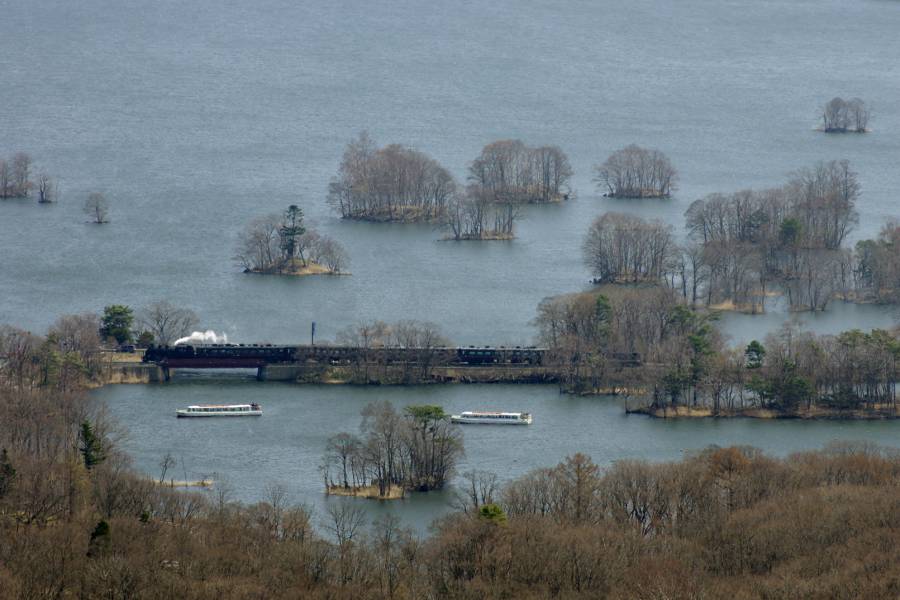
[699, 412]
[130, 372]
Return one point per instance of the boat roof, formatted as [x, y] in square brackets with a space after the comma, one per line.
[217, 405]
[487, 412]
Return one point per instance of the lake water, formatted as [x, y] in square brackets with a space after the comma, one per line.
[285, 445]
[195, 117]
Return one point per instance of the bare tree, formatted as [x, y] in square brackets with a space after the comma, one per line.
[623, 247]
[15, 176]
[48, 190]
[21, 174]
[5, 179]
[340, 452]
[167, 462]
[753, 239]
[97, 207]
[841, 116]
[479, 488]
[824, 199]
[381, 425]
[817, 279]
[635, 172]
[507, 171]
[77, 339]
[167, 322]
[345, 522]
[259, 245]
[393, 183]
[282, 244]
[859, 115]
[877, 265]
[331, 254]
[475, 216]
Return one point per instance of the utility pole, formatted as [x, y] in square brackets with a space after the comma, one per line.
[312, 334]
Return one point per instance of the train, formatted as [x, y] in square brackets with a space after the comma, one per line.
[256, 355]
[260, 354]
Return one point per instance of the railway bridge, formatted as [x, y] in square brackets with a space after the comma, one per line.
[378, 364]
[286, 361]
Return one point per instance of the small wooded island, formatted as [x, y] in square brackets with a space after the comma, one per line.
[284, 245]
[743, 248]
[16, 181]
[845, 116]
[401, 185]
[414, 451]
[679, 365]
[635, 172]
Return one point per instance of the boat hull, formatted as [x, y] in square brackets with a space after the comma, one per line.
[479, 421]
[184, 414]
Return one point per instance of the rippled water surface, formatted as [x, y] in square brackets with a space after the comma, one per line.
[285, 445]
[194, 117]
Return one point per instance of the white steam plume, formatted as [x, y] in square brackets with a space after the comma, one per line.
[203, 337]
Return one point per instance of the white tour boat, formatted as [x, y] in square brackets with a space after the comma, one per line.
[221, 410]
[492, 418]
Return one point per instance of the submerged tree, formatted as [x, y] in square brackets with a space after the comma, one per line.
[48, 190]
[789, 237]
[432, 447]
[621, 247]
[394, 183]
[475, 216]
[97, 208]
[15, 176]
[841, 116]
[635, 172]
[877, 265]
[509, 171]
[417, 450]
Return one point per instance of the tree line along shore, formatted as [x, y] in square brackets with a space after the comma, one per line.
[742, 248]
[687, 369]
[76, 519]
[682, 366]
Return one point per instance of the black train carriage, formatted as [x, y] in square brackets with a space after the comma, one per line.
[488, 355]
